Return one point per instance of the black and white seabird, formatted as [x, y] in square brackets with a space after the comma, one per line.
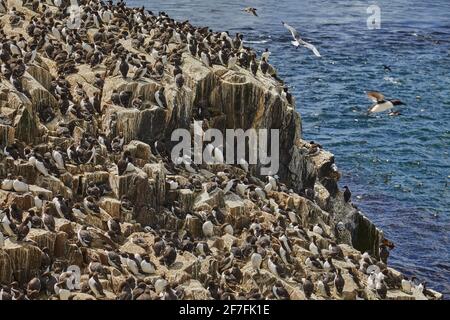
[206, 58]
[347, 194]
[160, 98]
[339, 282]
[179, 80]
[208, 229]
[140, 72]
[308, 286]
[264, 66]
[169, 256]
[253, 66]
[266, 54]
[48, 221]
[114, 226]
[380, 287]
[7, 224]
[58, 157]
[114, 260]
[381, 103]
[147, 266]
[19, 185]
[384, 253]
[323, 287]
[61, 206]
[250, 10]
[23, 229]
[158, 246]
[313, 246]
[91, 206]
[280, 291]
[124, 67]
[95, 286]
[7, 183]
[84, 237]
[275, 267]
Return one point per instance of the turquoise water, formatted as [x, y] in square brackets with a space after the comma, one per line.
[397, 167]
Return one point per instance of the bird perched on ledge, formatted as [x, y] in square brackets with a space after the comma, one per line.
[347, 194]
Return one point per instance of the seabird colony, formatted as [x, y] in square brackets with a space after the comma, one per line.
[80, 249]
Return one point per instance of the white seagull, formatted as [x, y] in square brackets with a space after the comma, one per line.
[298, 41]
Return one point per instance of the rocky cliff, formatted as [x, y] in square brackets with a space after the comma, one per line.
[306, 203]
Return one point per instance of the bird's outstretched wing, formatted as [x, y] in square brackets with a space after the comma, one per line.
[375, 96]
[312, 48]
[293, 32]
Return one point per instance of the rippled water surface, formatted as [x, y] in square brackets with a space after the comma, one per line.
[397, 167]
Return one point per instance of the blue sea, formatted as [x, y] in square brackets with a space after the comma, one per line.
[398, 168]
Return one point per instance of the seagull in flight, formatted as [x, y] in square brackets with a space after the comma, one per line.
[381, 103]
[250, 10]
[298, 41]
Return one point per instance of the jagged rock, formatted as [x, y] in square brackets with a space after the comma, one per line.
[55, 185]
[139, 149]
[6, 134]
[66, 226]
[213, 199]
[130, 247]
[6, 268]
[236, 209]
[350, 288]
[82, 296]
[24, 201]
[398, 295]
[194, 226]
[141, 192]
[41, 75]
[25, 259]
[60, 244]
[36, 190]
[43, 239]
[227, 241]
[322, 196]
[97, 177]
[74, 255]
[119, 184]
[111, 206]
[265, 281]
[99, 220]
[128, 228]
[186, 199]
[193, 290]
[156, 172]
[302, 173]
[26, 127]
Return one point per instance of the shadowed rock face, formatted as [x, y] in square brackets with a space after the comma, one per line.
[228, 99]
